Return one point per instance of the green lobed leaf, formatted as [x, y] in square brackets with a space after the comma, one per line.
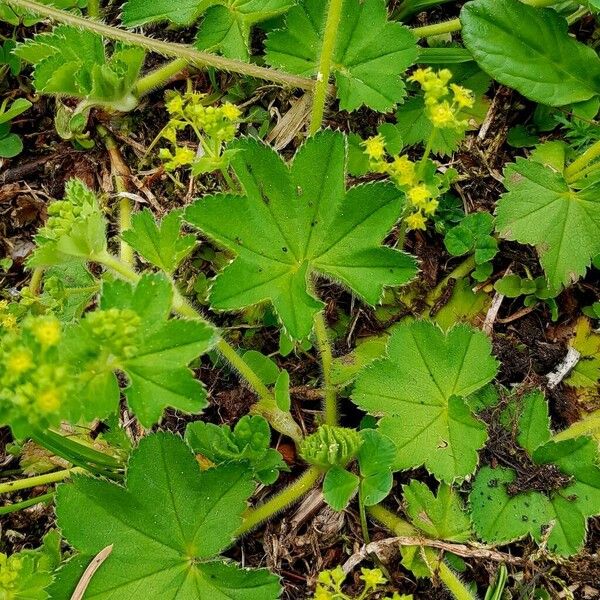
[161, 244]
[541, 209]
[530, 50]
[295, 222]
[339, 486]
[369, 57]
[441, 516]
[430, 423]
[167, 528]
[226, 25]
[376, 458]
[534, 421]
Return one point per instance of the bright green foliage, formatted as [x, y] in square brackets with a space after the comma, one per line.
[369, 57]
[330, 583]
[132, 333]
[473, 234]
[26, 575]
[226, 25]
[346, 368]
[586, 373]
[294, 221]
[75, 229]
[71, 287]
[161, 244]
[541, 209]
[376, 457]
[530, 50]
[330, 446]
[247, 444]
[504, 510]
[420, 391]
[10, 143]
[73, 62]
[441, 516]
[167, 528]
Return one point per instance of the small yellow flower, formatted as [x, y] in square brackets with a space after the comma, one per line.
[49, 401]
[231, 111]
[322, 593]
[175, 105]
[375, 147]
[372, 578]
[442, 115]
[421, 75]
[430, 207]
[416, 221]
[47, 331]
[418, 195]
[462, 96]
[402, 169]
[20, 360]
[8, 322]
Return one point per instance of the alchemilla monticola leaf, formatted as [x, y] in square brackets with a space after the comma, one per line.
[167, 529]
[294, 221]
[420, 389]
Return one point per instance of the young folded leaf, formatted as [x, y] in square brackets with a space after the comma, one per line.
[530, 50]
[541, 209]
[420, 390]
[296, 221]
[369, 57]
[226, 26]
[167, 529]
[73, 62]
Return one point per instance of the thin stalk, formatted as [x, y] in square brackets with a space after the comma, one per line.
[36, 280]
[394, 523]
[324, 346]
[455, 25]
[267, 406]
[426, 153]
[254, 517]
[174, 50]
[11, 508]
[159, 77]
[334, 13]
[120, 173]
[580, 163]
[93, 9]
[46, 479]
[362, 511]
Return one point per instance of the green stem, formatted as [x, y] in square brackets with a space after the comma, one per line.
[173, 50]
[332, 24]
[460, 271]
[11, 508]
[36, 280]
[267, 406]
[46, 479]
[394, 523]
[254, 517]
[455, 25]
[93, 9]
[324, 346]
[159, 77]
[364, 525]
[580, 163]
[426, 153]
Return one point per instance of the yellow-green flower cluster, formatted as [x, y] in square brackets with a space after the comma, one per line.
[8, 321]
[444, 101]
[213, 125]
[63, 215]
[114, 329]
[329, 585]
[34, 383]
[10, 570]
[421, 197]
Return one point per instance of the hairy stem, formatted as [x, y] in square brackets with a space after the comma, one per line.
[17, 506]
[281, 421]
[120, 174]
[324, 346]
[36, 280]
[573, 171]
[46, 479]
[173, 50]
[159, 77]
[255, 516]
[332, 24]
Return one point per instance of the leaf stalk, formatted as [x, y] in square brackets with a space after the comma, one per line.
[324, 347]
